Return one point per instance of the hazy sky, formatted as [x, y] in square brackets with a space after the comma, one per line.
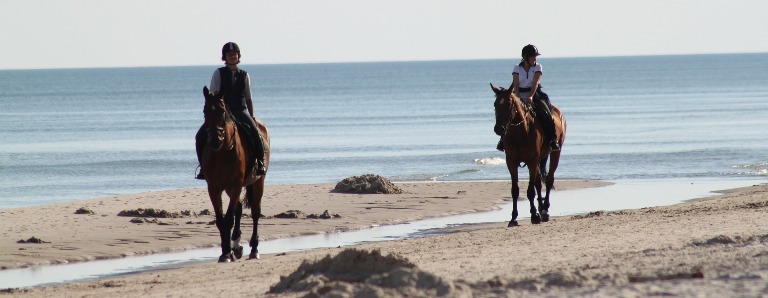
[105, 33]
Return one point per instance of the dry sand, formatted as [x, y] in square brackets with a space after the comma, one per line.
[713, 248]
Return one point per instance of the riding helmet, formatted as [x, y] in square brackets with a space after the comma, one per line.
[228, 47]
[530, 50]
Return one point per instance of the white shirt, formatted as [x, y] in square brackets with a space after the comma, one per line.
[216, 83]
[525, 78]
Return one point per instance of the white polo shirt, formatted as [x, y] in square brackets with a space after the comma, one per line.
[525, 78]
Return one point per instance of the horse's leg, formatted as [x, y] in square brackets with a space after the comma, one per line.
[215, 196]
[553, 163]
[237, 249]
[255, 192]
[533, 171]
[226, 223]
[543, 200]
[515, 192]
[560, 128]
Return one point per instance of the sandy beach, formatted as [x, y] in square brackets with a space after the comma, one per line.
[713, 247]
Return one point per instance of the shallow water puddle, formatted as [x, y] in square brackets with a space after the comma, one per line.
[625, 194]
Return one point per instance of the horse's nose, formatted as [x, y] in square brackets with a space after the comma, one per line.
[498, 129]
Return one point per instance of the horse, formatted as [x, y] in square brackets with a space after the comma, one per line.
[224, 164]
[523, 139]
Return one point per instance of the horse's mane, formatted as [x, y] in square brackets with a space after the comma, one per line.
[227, 114]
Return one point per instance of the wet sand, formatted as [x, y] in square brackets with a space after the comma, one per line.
[712, 247]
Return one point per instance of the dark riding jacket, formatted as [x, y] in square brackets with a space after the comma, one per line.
[234, 94]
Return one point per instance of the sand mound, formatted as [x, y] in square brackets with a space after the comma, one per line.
[360, 273]
[368, 183]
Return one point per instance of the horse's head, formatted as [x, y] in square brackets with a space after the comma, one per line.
[509, 110]
[215, 112]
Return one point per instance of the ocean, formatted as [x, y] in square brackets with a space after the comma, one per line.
[73, 134]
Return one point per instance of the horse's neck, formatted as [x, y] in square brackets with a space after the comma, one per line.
[520, 115]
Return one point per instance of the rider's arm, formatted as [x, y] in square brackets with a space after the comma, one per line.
[535, 85]
[215, 82]
[515, 84]
[516, 80]
[536, 79]
[248, 100]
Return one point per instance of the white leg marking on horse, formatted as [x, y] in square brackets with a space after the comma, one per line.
[236, 242]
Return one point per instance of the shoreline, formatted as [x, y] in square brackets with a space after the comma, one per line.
[67, 237]
[716, 246]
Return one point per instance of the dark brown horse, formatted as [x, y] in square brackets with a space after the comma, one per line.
[524, 143]
[226, 170]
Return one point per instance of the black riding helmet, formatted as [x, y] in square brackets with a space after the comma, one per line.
[530, 50]
[228, 47]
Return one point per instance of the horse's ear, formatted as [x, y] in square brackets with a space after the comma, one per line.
[495, 90]
[205, 90]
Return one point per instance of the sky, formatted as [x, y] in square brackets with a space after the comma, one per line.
[109, 33]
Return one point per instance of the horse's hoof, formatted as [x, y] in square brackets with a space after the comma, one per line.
[544, 217]
[238, 252]
[512, 223]
[254, 256]
[535, 219]
[225, 258]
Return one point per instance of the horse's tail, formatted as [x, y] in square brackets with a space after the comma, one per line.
[248, 199]
[543, 168]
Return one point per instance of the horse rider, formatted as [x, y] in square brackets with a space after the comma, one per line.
[526, 84]
[235, 84]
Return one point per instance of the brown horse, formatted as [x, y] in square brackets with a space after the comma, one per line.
[225, 167]
[524, 143]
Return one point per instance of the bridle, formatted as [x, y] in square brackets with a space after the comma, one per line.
[512, 111]
[222, 126]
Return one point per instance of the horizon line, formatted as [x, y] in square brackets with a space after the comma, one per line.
[378, 61]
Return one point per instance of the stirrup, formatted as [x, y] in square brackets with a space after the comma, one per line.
[200, 175]
[500, 146]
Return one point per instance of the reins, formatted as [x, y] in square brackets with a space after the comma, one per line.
[233, 138]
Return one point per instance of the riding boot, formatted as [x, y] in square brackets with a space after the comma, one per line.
[553, 145]
[500, 145]
[544, 114]
[258, 148]
[200, 139]
[261, 169]
[552, 136]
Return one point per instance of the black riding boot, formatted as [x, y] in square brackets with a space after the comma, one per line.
[553, 145]
[258, 148]
[500, 145]
[551, 135]
[200, 139]
[544, 114]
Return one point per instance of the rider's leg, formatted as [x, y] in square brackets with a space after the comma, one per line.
[257, 145]
[200, 139]
[544, 114]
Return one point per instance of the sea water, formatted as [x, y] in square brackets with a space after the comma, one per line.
[71, 134]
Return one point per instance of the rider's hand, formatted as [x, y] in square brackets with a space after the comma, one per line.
[528, 100]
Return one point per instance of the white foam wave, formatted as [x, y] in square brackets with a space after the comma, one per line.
[490, 161]
[755, 169]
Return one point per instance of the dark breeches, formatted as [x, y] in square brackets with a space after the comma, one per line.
[543, 110]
